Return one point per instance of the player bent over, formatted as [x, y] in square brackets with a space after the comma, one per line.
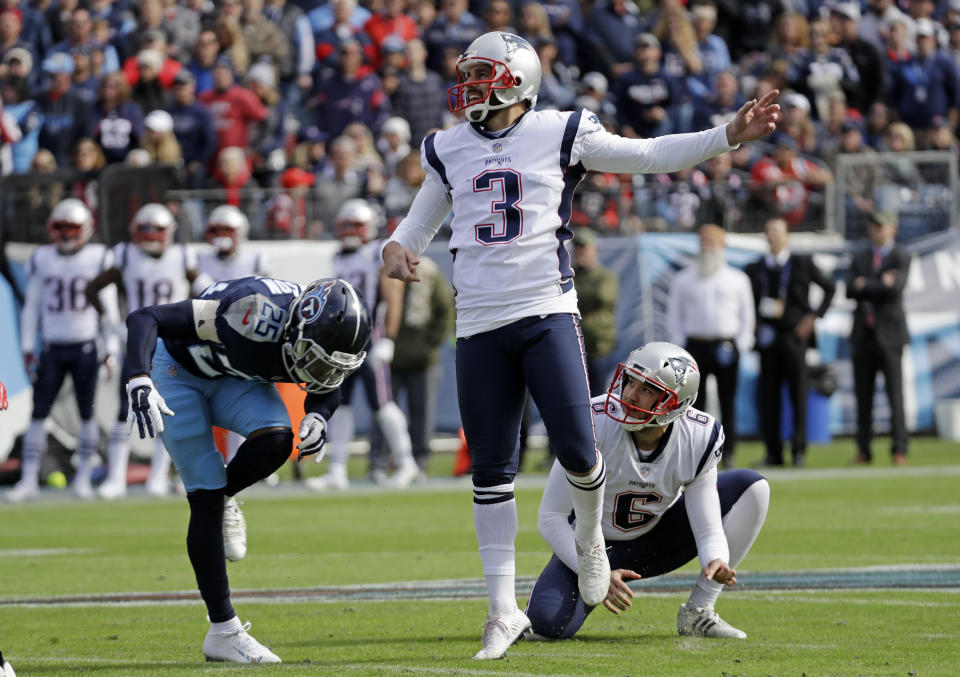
[215, 364]
[664, 505]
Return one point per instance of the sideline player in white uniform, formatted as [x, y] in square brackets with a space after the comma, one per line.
[226, 232]
[358, 262]
[664, 504]
[508, 174]
[152, 270]
[56, 308]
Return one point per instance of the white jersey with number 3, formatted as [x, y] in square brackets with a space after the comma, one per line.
[642, 486]
[511, 195]
[151, 281]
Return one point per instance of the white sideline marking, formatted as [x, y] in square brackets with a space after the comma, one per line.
[315, 665]
[46, 552]
[447, 590]
[921, 510]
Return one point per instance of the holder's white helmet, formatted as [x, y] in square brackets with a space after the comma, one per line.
[152, 228]
[665, 366]
[227, 226]
[70, 225]
[515, 75]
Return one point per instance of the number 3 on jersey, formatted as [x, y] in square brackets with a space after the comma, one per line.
[511, 216]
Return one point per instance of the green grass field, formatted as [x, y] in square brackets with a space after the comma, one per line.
[857, 572]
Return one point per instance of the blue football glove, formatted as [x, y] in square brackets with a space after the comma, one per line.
[147, 408]
[313, 435]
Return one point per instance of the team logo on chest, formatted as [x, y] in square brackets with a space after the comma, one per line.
[644, 472]
[498, 147]
[312, 306]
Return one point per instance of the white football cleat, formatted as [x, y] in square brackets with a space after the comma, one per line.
[332, 481]
[6, 669]
[500, 632]
[593, 578]
[234, 531]
[705, 622]
[237, 647]
[82, 488]
[24, 490]
[111, 489]
[404, 476]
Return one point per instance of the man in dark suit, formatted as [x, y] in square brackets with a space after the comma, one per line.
[781, 289]
[877, 276]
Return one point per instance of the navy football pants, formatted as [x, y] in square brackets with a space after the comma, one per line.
[56, 361]
[545, 355]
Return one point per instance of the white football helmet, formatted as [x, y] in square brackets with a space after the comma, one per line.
[665, 366]
[227, 227]
[152, 228]
[515, 76]
[70, 225]
[357, 223]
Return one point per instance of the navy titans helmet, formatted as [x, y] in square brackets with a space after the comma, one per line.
[327, 329]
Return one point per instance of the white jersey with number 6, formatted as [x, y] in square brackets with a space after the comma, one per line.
[641, 487]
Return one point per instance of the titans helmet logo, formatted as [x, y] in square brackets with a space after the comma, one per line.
[313, 304]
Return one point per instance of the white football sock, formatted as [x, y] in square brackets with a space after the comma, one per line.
[587, 496]
[234, 440]
[339, 435]
[226, 626]
[741, 524]
[159, 463]
[87, 447]
[34, 442]
[495, 520]
[118, 453]
[393, 424]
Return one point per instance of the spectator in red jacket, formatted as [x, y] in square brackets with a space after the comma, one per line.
[784, 181]
[234, 108]
[156, 40]
[392, 20]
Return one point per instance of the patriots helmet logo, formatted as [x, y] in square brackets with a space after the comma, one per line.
[312, 306]
[514, 42]
[681, 366]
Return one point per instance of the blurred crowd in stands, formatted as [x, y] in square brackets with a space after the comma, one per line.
[327, 101]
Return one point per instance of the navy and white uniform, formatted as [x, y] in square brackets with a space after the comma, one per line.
[243, 263]
[517, 320]
[57, 310]
[219, 368]
[661, 509]
[361, 268]
[151, 281]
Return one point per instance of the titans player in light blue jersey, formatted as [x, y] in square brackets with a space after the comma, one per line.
[215, 365]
